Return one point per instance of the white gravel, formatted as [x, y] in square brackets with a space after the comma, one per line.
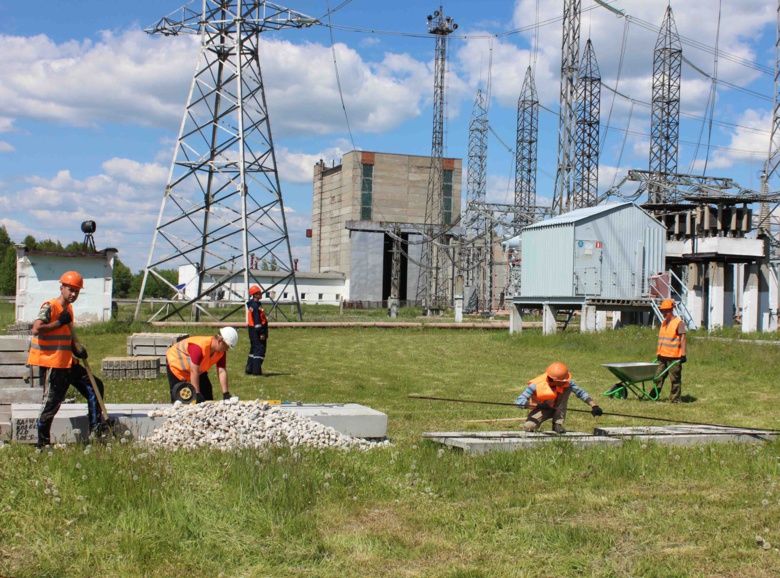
[234, 424]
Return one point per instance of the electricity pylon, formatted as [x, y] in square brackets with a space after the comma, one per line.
[665, 115]
[586, 143]
[526, 153]
[223, 201]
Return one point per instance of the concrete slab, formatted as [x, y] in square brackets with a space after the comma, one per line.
[351, 419]
[505, 441]
[684, 435]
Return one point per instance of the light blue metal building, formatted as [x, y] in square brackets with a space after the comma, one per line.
[599, 257]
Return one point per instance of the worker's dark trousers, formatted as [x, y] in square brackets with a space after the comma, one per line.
[54, 394]
[254, 363]
[204, 384]
[537, 416]
[675, 376]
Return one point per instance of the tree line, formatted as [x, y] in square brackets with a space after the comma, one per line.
[126, 284]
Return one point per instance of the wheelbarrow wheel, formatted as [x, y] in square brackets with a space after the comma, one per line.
[617, 391]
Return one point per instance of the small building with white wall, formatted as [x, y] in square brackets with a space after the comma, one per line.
[38, 276]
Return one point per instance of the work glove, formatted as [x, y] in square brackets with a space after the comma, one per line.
[226, 395]
[683, 359]
[65, 318]
[522, 405]
[81, 353]
[199, 397]
[596, 411]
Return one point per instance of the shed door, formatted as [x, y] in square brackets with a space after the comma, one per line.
[587, 267]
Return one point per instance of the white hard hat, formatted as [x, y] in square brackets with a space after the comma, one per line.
[230, 336]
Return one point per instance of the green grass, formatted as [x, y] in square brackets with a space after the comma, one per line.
[415, 509]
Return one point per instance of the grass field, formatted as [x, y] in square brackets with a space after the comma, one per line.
[415, 509]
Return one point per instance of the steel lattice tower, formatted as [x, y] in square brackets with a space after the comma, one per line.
[570, 55]
[586, 168]
[526, 153]
[665, 119]
[223, 202]
[474, 222]
[432, 285]
[765, 220]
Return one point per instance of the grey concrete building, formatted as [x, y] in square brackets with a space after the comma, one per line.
[357, 202]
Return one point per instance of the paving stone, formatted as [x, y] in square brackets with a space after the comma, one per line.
[505, 441]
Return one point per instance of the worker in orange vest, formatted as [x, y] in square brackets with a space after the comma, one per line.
[547, 395]
[190, 359]
[257, 327]
[672, 348]
[52, 350]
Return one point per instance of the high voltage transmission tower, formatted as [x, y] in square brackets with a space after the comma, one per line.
[432, 286]
[477, 243]
[767, 221]
[665, 115]
[526, 153]
[222, 211]
[586, 172]
[570, 54]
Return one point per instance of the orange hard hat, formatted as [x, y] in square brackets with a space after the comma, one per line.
[255, 289]
[666, 304]
[558, 372]
[72, 279]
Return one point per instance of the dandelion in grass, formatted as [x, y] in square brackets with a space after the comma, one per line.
[47, 491]
[78, 466]
[326, 485]
[764, 502]
[677, 457]
[284, 476]
[84, 477]
[135, 478]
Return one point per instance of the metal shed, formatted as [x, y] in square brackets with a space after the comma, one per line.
[593, 260]
[606, 252]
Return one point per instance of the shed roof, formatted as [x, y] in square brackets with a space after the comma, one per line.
[578, 215]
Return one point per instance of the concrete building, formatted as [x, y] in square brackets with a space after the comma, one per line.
[356, 203]
[594, 260]
[38, 280]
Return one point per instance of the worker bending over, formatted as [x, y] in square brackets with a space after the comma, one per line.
[190, 359]
[52, 349]
[548, 396]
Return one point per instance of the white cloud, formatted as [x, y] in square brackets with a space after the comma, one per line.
[299, 167]
[6, 147]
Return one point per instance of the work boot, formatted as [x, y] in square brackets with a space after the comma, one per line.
[558, 428]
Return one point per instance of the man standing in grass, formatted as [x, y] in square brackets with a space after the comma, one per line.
[190, 359]
[52, 349]
[547, 395]
[257, 326]
[672, 347]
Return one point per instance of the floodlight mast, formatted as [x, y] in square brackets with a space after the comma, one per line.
[431, 285]
[223, 201]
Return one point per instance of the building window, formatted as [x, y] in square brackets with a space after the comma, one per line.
[338, 296]
[303, 296]
[285, 295]
[366, 192]
[320, 297]
[447, 196]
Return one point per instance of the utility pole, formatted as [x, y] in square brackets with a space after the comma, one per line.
[432, 285]
[223, 201]
[586, 168]
[570, 56]
[526, 153]
[665, 112]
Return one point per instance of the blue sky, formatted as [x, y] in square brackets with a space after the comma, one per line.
[92, 105]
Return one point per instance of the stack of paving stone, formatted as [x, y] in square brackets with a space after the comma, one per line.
[23, 329]
[18, 382]
[120, 368]
[153, 345]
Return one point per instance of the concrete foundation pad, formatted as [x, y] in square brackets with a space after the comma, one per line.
[351, 419]
[505, 441]
[685, 435]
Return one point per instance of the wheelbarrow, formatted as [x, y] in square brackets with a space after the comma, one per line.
[633, 377]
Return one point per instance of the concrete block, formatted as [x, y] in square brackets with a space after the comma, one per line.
[350, 419]
[153, 344]
[506, 441]
[685, 435]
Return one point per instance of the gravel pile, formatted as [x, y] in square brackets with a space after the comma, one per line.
[233, 424]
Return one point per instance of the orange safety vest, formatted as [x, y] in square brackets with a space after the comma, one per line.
[179, 358]
[546, 392]
[669, 341]
[250, 321]
[53, 349]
